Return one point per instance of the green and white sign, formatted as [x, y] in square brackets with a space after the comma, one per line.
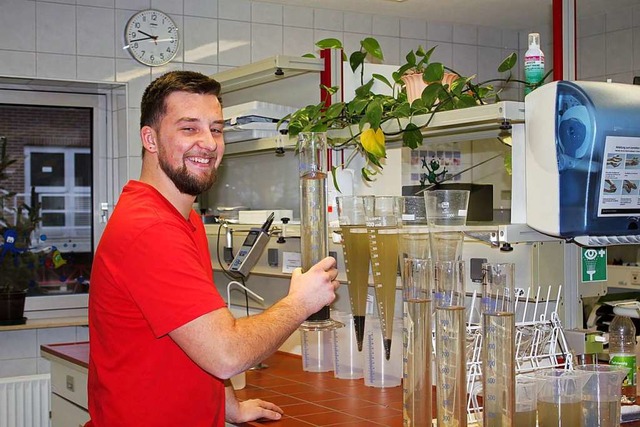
[594, 264]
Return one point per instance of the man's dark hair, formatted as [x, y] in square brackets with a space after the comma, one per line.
[153, 105]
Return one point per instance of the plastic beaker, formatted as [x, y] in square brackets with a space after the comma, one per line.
[446, 216]
[601, 394]
[348, 361]
[378, 370]
[560, 397]
[317, 351]
[526, 401]
[355, 247]
[498, 344]
[413, 235]
[417, 290]
[451, 358]
[382, 214]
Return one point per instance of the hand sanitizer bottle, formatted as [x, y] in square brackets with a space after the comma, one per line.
[533, 62]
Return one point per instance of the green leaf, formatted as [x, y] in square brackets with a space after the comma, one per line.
[329, 44]
[508, 162]
[365, 89]
[356, 59]
[411, 60]
[508, 63]
[430, 94]
[433, 73]
[420, 51]
[372, 47]
[334, 110]
[427, 55]
[412, 137]
[357, 106]
[308, 55]
[365, 174]
[335, 178]
[383, 79]
[374, 113]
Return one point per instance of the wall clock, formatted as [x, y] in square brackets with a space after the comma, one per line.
[151, 37]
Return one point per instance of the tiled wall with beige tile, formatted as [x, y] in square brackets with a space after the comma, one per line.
[83, 39]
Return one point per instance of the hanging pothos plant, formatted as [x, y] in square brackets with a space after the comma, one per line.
[369, 110]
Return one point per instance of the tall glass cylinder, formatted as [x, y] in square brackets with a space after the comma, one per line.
[355, 247]
[413, 234]
[417, 289]
[498, 345]
[451, 360]
[312, 167]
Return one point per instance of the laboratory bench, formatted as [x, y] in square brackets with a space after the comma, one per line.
[307, 398]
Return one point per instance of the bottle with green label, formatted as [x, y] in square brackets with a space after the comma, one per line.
[533, 62]
[622, 352]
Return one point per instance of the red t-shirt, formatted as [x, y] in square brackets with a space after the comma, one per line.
[151, 274]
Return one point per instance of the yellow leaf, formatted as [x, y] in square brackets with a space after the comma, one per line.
[373, 142]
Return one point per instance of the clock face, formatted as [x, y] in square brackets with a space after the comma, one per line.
[152, 37]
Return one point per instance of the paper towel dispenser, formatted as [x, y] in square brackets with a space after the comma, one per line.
[582, 161]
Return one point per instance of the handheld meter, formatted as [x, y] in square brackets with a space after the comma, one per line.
[251, 249]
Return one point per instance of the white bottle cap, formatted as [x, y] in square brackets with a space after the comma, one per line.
[534, 39]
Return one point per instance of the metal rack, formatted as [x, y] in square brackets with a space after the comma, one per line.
[539, 343]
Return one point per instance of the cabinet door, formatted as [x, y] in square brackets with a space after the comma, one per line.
[66, 414]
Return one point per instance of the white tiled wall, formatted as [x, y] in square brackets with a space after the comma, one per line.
[83, 39]
[608, 45]
[20, 350]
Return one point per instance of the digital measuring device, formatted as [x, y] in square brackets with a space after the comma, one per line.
[251, 249]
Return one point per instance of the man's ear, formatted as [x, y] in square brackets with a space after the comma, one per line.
[148, 137]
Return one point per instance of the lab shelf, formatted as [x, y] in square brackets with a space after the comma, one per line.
[268, 70]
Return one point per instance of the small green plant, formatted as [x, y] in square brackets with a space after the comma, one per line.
[18, 263]
[370, 111]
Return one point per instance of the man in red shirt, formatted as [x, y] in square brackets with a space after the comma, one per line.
[161, 338]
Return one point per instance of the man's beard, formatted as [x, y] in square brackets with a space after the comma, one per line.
[184, 181]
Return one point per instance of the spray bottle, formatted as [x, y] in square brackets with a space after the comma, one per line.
[533, 62]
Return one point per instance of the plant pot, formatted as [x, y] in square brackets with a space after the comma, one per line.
[415, 85]
[12, 307]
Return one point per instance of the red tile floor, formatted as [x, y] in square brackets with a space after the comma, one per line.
[319, 399]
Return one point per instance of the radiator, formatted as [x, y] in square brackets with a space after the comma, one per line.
[25, 401]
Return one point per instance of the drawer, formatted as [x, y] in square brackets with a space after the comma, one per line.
[66, 414]
[69, 383]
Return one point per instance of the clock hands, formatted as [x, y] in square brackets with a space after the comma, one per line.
[149, 37]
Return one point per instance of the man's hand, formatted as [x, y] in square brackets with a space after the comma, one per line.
[250, 410]
[315, 288]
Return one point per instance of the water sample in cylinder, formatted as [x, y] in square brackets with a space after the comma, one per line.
[382, 224]
[312, 169]
[355, 247]
[417, 290]
[498, 344]
[451, 360]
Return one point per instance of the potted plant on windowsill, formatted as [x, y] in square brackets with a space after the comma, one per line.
[18, 262]
[441, 89]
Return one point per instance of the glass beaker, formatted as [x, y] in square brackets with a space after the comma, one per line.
[601, 394]
[498, 344]
[380, 370]
[312, 168]
[560, 397]
[348, 360]
[355, 247]
[451, 360]
[417, 289]
[381, 216]
[413, 235]
[446, 216]
[526, 401]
